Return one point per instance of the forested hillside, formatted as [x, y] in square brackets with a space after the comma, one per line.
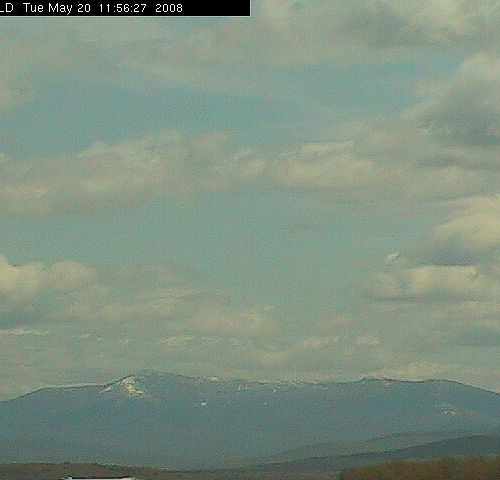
[449, 468]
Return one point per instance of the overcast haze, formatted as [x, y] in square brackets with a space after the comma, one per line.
[310, 193]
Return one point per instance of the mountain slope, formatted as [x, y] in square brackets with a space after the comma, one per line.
[174, 421]
[381, 444]
[484, 445]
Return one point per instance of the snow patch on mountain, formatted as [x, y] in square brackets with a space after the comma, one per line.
[446, 409]
[129, 385]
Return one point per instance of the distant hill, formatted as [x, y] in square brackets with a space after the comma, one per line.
[381, 444]
[174, 421]
[309, 469]
[484, 445]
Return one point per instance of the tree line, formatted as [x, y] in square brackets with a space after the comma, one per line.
[449, 468]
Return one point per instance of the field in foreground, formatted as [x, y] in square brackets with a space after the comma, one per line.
[40, 471]
[45, 471]
[448, 468]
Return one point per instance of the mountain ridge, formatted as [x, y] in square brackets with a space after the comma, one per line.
[247, 381]
[171, 420]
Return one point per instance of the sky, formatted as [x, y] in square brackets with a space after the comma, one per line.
[309, 193]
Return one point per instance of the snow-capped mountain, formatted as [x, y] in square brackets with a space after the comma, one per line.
[175, 421]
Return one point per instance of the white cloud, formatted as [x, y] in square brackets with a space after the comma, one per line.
[417, 371]
[440, 297]
[126, 172]
[446, 146]
[125, 301]
[287, 32]
[472, 234]
[11, 95]
[31, 56]
[25, 283]
[124, 318]
[94, 323]
[244, 55]
[432, 283]
[21, 331]
[464, 109]
[368, 340]
[318, 343]
[378, 167]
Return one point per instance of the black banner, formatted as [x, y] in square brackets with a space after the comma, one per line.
[193, 8]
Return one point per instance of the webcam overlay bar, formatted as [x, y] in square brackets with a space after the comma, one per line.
[193, 8]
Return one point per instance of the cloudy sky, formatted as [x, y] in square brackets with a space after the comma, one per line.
[309, 193]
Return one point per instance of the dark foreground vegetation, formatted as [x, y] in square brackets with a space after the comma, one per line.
[38, 471]
[449, 468]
